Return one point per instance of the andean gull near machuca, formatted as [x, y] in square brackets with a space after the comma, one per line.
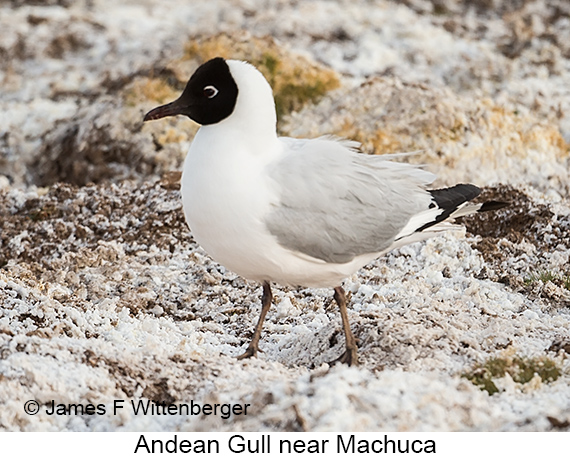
[301, 212]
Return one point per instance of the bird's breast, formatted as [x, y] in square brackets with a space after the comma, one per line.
[225, 196]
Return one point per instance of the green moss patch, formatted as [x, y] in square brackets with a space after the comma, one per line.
[561, 280]
[521, 369]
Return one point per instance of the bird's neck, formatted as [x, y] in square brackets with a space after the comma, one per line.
[237, 142]
[252, 128]
[254, 119]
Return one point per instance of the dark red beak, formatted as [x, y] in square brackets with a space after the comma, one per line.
[170, 109]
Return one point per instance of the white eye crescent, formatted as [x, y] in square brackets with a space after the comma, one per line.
[210, 91]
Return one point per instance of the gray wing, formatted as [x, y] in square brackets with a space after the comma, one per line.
[336, 204]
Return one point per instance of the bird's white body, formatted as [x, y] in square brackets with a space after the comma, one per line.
[227, 193]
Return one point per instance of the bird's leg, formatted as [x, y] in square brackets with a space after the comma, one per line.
[252, 349]
[350, 356]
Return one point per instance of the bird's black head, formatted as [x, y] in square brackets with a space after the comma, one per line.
[209, 97]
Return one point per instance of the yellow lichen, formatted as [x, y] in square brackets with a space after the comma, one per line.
[523, 132]
[171, 135]
[386, 142]
[540, 136]
[381, 141]
[144, 89]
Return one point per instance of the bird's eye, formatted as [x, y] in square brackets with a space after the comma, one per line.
[210, 91]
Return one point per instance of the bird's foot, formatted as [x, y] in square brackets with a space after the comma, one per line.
[350, 357]
[251, 351]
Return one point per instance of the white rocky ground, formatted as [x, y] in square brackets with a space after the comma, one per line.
[104, 295]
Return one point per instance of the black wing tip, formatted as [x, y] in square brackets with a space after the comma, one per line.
[450, 198]
[492, 205]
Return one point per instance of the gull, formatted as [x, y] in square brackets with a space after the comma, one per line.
[298, 212]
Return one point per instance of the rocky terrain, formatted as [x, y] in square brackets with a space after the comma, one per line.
[105, 296]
